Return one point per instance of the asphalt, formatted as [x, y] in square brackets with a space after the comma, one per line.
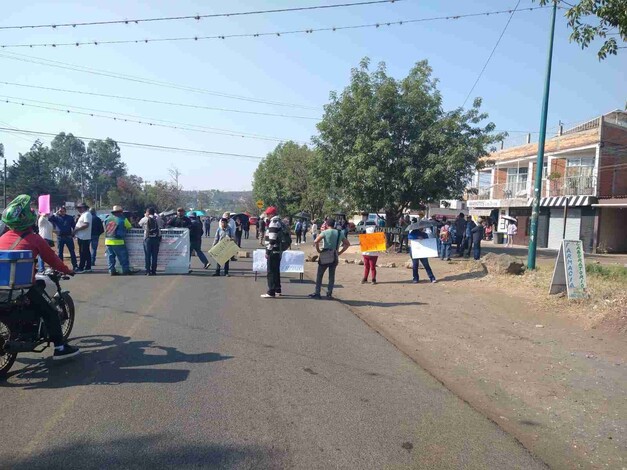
[194, 371]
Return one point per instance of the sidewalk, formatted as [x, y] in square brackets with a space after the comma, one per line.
[528, 362]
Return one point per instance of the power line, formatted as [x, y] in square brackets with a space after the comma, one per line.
[197, 17]
[121, 117]
[140, 145]
[132, 78]
[169, 103]
[256, 35]
[498, 41]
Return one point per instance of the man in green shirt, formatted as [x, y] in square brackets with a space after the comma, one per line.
[116, 226]
[329, 256]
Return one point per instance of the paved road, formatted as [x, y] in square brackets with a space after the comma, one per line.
[195, 371]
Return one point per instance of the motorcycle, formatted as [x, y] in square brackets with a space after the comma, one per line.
[22, 329]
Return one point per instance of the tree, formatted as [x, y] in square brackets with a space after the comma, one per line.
[388, 144]
[282, 178]
[33, 174]
[103, 166]
[603, 16]
[69, 163]
[163, 195]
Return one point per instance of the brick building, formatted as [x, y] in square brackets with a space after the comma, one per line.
[584, 186]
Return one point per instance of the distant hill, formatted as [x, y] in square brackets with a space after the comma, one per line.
[215, 201]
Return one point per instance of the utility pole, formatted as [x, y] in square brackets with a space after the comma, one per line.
[4, 180]
[537, 190]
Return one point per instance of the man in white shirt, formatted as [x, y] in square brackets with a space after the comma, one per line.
[82, 232]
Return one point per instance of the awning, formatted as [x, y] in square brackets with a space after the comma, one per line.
[612, 202]
[573, 201]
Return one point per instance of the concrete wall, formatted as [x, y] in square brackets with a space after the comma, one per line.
[613, 178]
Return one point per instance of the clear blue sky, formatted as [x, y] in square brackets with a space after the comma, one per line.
[300, 69]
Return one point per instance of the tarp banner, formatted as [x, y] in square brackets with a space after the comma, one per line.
[425, 248]
[291, 261]
[173, 250]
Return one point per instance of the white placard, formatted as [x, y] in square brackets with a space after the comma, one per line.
[569, 273]
[425, 248]
[291, 261]
[173, 250]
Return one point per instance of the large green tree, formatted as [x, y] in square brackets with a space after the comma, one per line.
[389, 144]
[592, 19]
[33, 174]
[103, 167]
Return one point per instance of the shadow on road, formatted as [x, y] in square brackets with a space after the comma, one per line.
[369, 303]
[154, 451]
[108, 360]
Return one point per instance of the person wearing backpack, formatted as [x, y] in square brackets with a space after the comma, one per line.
[298, 228]
[446, 240]
[278, 239]
[97, 229]
[329, 256]
[152, 240]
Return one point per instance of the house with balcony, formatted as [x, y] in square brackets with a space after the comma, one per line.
[584, 186]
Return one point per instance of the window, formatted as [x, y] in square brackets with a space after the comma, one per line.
[580, 166]
[516, 181]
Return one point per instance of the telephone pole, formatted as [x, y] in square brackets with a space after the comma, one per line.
[537, 190]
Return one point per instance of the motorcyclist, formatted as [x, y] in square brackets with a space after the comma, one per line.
[19, 220]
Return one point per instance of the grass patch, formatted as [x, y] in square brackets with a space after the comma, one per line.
[607, 271]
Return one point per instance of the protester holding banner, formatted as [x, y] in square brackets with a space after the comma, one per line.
[223, 231]
[64, 225]
[195, 240]
[273, 253]
[370, 259]
[419, 234]
[152, 240]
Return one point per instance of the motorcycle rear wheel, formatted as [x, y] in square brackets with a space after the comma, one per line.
[6, 359]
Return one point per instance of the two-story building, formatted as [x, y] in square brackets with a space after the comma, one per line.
[584, 186]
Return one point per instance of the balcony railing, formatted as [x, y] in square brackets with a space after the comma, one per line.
[573, 186]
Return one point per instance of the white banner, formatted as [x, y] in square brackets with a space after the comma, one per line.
[291, 261]
[426, 248]
[173, 251]
[569, 273]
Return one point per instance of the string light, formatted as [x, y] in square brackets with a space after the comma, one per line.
[263, 34]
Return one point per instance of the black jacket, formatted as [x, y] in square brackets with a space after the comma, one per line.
[180, 222]
[477, 234]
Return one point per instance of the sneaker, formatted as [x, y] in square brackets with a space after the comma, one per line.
[66, 352]
[227, 275]
[433, 281]
[330, 296]
[363, 281]
[216, 274]
[278, 294]
[87, 270]
[374, 282]
[415, 281]
[266, 296]
[314, 296]
[78, 271]
[114, 273]
[207, 266]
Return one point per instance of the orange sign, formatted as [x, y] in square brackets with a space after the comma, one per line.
[372, 242]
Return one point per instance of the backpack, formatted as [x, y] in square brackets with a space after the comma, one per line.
[152, 228]
[299, 227]
[97, 227]
[445, 236]
[285, 237]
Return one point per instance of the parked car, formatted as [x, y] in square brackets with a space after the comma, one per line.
[361, 226]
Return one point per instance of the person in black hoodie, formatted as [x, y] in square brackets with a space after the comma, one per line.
[460, 228]
[97, 229]
[195, 240]
[478, 233]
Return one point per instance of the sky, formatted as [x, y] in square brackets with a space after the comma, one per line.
[289, 75]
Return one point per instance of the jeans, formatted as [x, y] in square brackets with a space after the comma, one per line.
[41, 261]
[320, 274]
[425, 264]
[94, 249]
[458, 241]
[226, 268]
[195, 246]
[299, 236]
[121, 253]
[370, 265]
[246, 234]
[238, 238]
[84, 254]
[467, 247]
[476, 250]
[49, 315]
[69, 242]
[274, 273]
[445, 251]
[151, 252]
[438, 244]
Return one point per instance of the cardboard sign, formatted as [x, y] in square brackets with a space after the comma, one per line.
[426, 248]
[224, 251]
[569, 273]
[173, 250]
[371, 242]
[44, 204]
[291, 261]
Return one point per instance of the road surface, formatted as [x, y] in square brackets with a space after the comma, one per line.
[197, 371]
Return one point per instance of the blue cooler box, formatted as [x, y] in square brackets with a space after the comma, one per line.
[16, 269]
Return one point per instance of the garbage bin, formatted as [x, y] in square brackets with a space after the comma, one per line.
[499, 238]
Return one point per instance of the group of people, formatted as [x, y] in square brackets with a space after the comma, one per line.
[465, 233]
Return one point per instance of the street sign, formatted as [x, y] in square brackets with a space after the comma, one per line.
[259, 204]
[570, 271]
